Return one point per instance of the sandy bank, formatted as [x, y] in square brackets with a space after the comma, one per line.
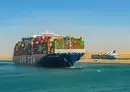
[5, 58]
[106, 61]
[124, 58]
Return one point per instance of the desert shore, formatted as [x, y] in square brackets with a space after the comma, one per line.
[124, 58]
[105, 61]
[95, 61]
[5, 58]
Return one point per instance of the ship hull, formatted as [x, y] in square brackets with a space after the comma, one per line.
[50, 60]
[104, 57]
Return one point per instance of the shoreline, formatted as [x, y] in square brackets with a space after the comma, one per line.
[5, 59]
[96, 61]
[105, 61]
[124, 58]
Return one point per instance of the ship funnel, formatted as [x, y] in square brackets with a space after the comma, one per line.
[114, 53]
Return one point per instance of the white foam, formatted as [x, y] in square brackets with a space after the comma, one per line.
[98, 70]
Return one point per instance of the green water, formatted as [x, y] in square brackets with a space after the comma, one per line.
[82, 77]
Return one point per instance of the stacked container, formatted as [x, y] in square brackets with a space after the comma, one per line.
[67, 42]
[59, 43]
[47, 44]
[77, 43]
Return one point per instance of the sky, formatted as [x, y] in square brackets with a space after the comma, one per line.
[104, 24]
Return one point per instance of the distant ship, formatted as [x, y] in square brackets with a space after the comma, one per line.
[49, 50]
[112, 55]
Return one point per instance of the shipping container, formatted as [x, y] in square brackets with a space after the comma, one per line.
[48, 44]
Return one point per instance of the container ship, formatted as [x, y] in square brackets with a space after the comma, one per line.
[49, 50]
